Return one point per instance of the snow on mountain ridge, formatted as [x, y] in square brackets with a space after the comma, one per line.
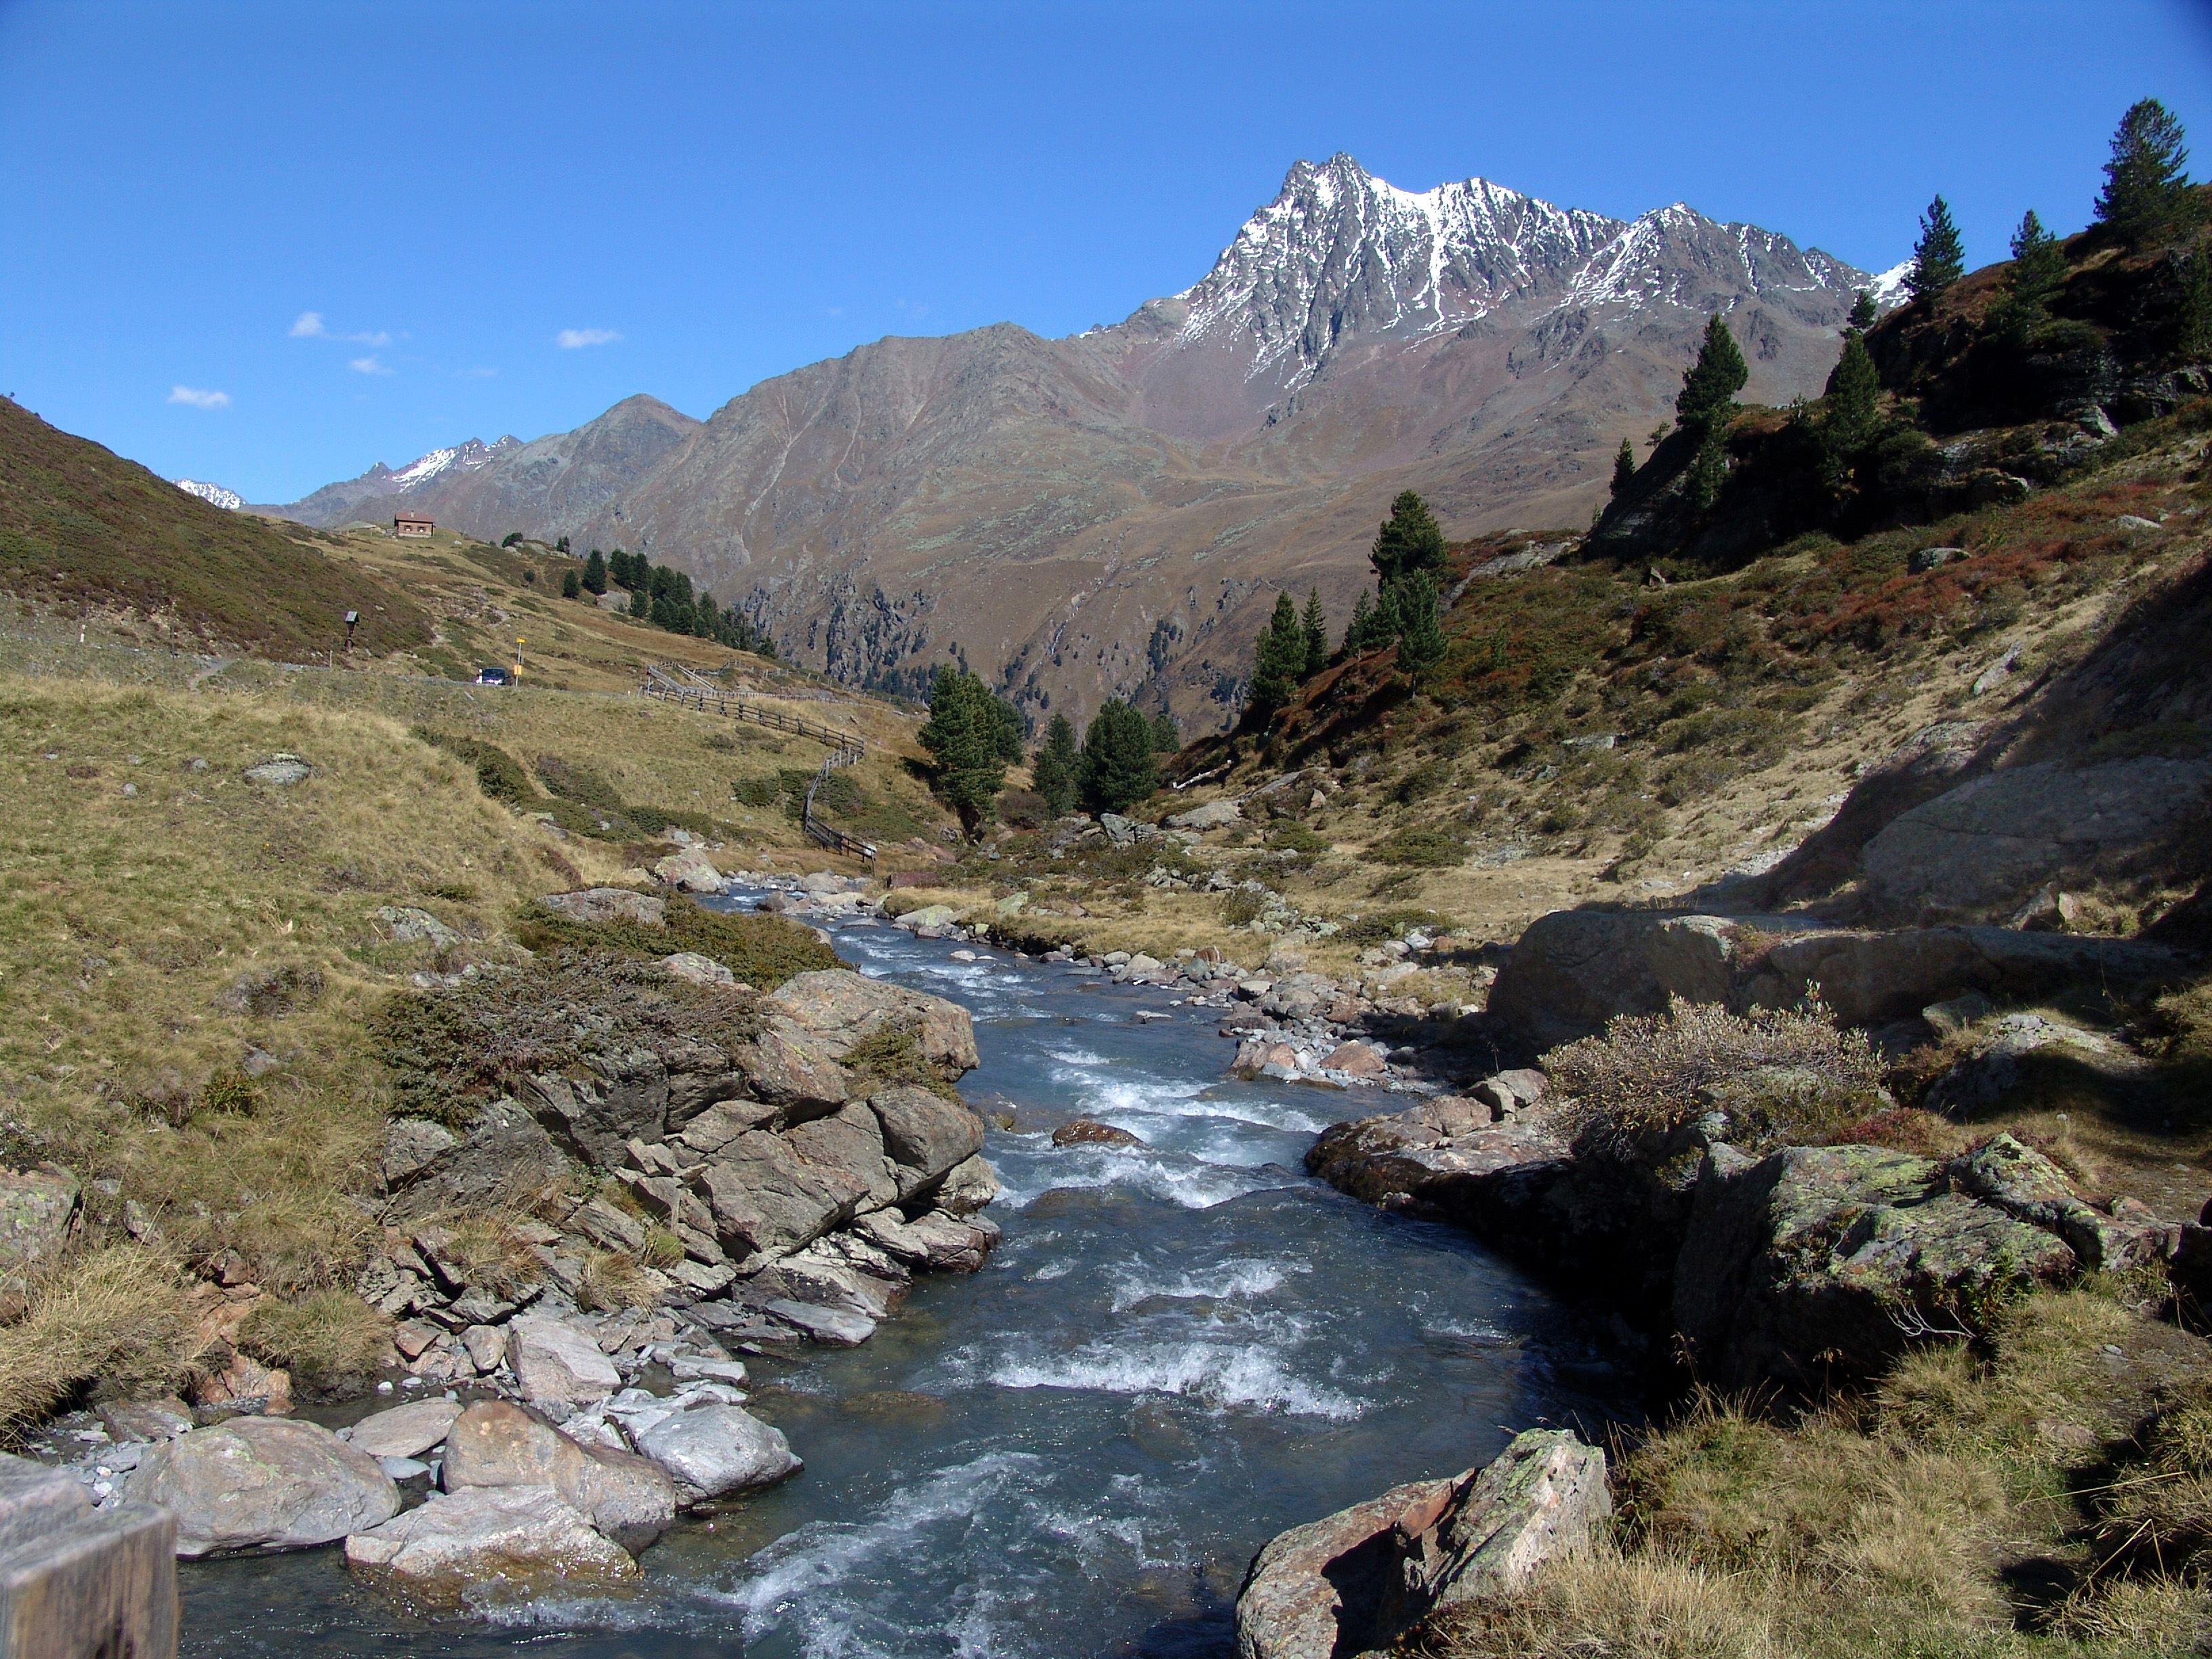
[213, 494]
[466, 456]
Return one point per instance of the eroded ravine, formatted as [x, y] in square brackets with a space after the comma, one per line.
[1178, 1350]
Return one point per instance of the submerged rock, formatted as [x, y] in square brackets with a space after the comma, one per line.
[518, 1540]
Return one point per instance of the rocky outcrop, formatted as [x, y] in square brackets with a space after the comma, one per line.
[37, 1217]
[1356, 1581]
[1575, 969]
[631, 1498]
[1980, 850]
[265, 1482]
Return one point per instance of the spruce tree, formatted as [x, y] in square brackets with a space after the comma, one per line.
[595, 573]
[1057, 771]
[641, 602]
[1316, 624]
[572, 585]
[1624, 468]
[2147, 197]
[1420, 634]
[1357, 631]
[1166, 736]
[1410, 539]
[1708, 394]
[1708, 470]
[1279, 658]
[1853, 418]
[962, 736]
[1120, 766]
[2038, 269]
[2192, 317]
[1863, 314]
[1939, 258]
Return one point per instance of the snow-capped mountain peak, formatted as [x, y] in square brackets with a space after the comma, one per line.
[461, 457]
[213, 494]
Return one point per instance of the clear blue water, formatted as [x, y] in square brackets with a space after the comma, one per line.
[1178, 1352]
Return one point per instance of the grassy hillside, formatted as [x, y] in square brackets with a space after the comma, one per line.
[84, 529]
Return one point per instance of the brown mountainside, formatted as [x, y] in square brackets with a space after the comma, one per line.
[1112, 514]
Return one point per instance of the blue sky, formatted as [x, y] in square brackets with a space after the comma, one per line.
[266, 244]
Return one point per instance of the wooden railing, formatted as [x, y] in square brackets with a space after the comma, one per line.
[845, 748]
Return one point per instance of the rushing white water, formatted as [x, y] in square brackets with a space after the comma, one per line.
[1180, 1349]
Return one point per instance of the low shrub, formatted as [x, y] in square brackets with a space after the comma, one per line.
[762, 950]
[756, 792]
[1243, 907]
[499, 774]
[890, 1056]
[1782, 1075]
[1419, 848]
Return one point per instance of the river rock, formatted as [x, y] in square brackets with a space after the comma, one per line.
[1816, 1262]
[689, 871]
[1089, 1132]
[1357, 1580]
[513, 1541]
[765, 1199]
[926, 1135]
[841, 1007]
[1357, 1059]
[717, 1449]
[406, 1430]
[266, 1481]
[969, 1185]
[495, 1444]
[557, 1362]
[604, 904]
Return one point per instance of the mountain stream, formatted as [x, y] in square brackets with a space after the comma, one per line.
[1178, 1351]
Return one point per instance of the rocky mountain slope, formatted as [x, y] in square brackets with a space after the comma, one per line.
[1112, 514]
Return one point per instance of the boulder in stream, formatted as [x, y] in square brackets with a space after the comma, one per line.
[1357, 1580]
[263, 1481]
[506, 1540]
[494, 1444]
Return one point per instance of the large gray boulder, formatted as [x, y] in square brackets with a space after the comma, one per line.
[265, 1482]
[513, 1541]
[407, 1431]
[494, 1444]
[1572, 970]
[1978, 851]
[504, 1152]
[604, 904]
[558, 1363]
[767, 1199]
[1356, 1581]
[926, 1136]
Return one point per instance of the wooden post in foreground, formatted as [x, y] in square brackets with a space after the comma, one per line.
[77, 1582]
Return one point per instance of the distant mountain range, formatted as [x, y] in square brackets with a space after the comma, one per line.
[213, 494]
[1112, 514]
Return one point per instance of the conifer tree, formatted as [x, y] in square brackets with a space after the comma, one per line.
[962, 736]
[1420, 634]
[1119, 765]
[1863, 314]
[1166, 736]
[1853, 419]
[1939, 258]
[1279, 659]
[1357, 631]
[2147, 197]
[1708, 394]
[1316, 624]
[1410, 539]
[1624, 468]
[572, 585]
[595, 573]
[2038, 269]
[1708, 470]
[1058, 769]
[640, 603]
[2192, 318]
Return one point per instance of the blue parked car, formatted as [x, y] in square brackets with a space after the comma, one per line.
[494, 676]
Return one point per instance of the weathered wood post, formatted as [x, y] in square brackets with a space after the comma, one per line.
[77, 1582]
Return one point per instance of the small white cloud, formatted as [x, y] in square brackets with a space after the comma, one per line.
[197, 398]
[366, 366]
[569, 338]
[309, 326]
[834, 311]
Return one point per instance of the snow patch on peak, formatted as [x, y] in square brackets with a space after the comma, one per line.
[460, 458]
[1888, 288]
[213, 494]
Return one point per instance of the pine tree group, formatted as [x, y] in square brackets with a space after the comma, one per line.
[1939, 258]
[971, 735]
[2147, 196]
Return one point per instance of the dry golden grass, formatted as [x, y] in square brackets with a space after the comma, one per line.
[118, 1315]
[323, 1338]
[613, 1281]
[1900, 1524]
